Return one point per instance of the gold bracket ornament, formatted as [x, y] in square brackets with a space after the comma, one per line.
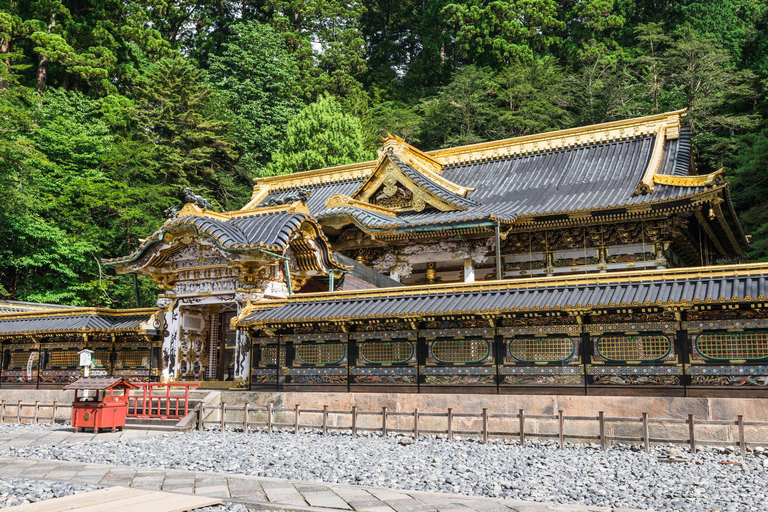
[165, 280]
[251, 272]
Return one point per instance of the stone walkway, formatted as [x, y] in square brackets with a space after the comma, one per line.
[271, 493]
[67, 435]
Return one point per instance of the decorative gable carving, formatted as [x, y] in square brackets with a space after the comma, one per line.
[407, 179]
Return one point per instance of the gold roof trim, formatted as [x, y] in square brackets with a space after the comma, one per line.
[705, 180]
[631, 276]
[646, 183]
[614, 130]
[78, 311]
[192, 210]
[340, 200]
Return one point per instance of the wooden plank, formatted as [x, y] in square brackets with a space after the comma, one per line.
[157, 501]
[79, 500]
[120, 498]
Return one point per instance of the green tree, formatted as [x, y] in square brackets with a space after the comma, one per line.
[501, 31]
[256, 77]
[749, 189]
[321, 135]
[462, 112]
[187, 134]
[716, 93]
[532, 98]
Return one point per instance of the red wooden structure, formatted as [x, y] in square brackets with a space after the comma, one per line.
[105, 408]
[158, 400]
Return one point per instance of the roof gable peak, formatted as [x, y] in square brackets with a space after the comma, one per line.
[406, 178]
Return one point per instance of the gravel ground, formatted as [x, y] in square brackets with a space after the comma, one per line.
[9, 428]
[18, 491]
[623, 476]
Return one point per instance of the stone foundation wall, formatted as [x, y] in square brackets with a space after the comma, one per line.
[630, 407]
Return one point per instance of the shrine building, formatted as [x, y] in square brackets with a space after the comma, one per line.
[592, 260]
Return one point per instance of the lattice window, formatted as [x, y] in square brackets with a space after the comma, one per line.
[390, 352]
[133, 358]
[320, 353]
[554, 349]
[269, 355]
[101, 358]
[20, 359]
[64, 358]
[460, 351]
[213, 348]
[639, 347]
[733, 345]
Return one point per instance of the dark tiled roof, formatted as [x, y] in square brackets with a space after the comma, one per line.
[72, 322]
[15, 306]
[589, 177]
[97, 383]
[267, 230]
[549, 294]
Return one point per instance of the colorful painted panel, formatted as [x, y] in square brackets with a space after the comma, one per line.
[316, 375]
[635, 375]
[133, 359]
[270, 353]
[457, 376]
[22, 359]
[390, 375]
[635, 347]
[409, 335]
[460, 351]
[64, 359]
[100, 358]
[387, 352]
[320, 353]
[730, 346]
[542, 375]
[729, 375]
[541, 350]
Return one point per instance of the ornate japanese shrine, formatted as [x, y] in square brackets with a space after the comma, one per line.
[588, 260]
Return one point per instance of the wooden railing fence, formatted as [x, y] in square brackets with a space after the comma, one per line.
[242, 417]
[34, 412]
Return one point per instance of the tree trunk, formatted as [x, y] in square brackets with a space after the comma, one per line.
[5, 48]
[42, 63]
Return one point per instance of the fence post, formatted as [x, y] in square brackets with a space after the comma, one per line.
[223, 417]
[384, 422]
[521, 417]
[53, 413]
[2, 411]
[296, 415]
[37, 409]
[561, 429]
[691, 433]
[325, 420]
[269, 418]
[601, 418]
[201, 417]
[416, 424]
[646, 433]
[18, 412]
[354, 420]
[245, 418]
[485, 425]
[742, 443]
[450, 424]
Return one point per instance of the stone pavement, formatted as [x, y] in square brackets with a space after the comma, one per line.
[67, 435]
[270, 493]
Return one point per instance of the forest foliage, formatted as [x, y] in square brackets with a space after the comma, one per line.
[108, 108]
